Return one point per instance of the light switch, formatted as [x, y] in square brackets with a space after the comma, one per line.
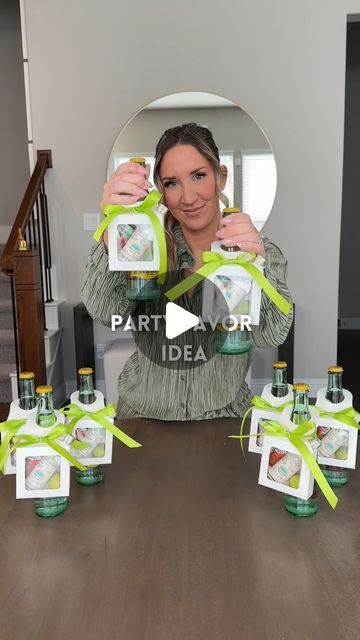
[91, 221]
[237, 162]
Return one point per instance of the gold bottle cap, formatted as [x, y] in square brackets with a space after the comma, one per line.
[281, 364]
[301, 386]
[144, 275]
[141, 161]
[85, 371]
[44, 389]
[335, 369]
[228, 210]
[26, 375]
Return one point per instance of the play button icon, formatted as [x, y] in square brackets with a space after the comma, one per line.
[178, 320]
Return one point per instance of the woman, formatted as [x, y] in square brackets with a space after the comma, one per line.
[188, 173]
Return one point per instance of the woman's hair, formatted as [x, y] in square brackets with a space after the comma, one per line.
[200, 138]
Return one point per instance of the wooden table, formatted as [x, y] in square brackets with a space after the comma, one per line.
[180, 543]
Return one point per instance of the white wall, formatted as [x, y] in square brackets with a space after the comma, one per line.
[14, 163]
[94, 64]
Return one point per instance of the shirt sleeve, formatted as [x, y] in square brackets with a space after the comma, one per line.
[103, 292]
[274, 325]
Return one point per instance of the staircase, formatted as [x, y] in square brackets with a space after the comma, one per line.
[7, 340]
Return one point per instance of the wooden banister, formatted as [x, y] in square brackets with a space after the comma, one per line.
[26, 267]
[44, 162]
[29, 312]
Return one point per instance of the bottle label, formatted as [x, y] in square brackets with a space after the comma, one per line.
[140, 241]
[93, 438]
[234, 289]
[332, 441]
[282, 470]
[41, 473]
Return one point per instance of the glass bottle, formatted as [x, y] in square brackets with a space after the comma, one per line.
[141, 285]
[94, 473]
[231, 341]
[227, 212]
[27, 400]
[333, 440]
[279, 387]
[46, 507]
[237, 340]
[300, 414]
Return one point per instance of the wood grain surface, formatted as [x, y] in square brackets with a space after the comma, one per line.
[180, 543]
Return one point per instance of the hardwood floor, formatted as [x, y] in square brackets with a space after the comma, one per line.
[180, 543]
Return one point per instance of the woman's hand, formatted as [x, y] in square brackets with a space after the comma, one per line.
[238, 230]
[126, 186]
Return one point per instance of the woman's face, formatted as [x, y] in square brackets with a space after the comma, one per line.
[189, 187]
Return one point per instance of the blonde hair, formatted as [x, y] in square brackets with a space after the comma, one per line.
[200, 138]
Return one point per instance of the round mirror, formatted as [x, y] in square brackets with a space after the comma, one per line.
[243, 146]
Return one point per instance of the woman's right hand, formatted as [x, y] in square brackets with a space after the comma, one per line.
[126, 186]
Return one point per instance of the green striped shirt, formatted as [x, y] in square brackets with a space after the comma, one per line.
[214, 389]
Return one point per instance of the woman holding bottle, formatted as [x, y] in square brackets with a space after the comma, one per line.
[188, 174]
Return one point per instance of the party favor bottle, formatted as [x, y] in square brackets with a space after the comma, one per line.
[300, 414]
[48, 467]
[140, 285]
[92, 437]
[235, 341]
[279, 389]
[334, 441]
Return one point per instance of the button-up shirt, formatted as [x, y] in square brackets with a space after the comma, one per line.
[217, 387]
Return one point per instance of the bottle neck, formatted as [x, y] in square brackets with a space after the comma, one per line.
[45, 414]
[27, 398]
[334, 391]
[279, 387]
[300, 411]
[86, 389]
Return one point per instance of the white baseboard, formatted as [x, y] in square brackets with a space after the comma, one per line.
[257, 385]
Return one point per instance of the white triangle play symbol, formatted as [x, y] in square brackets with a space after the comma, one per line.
[178, 320]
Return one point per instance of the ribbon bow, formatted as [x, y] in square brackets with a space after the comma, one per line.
[76, 413]
[259, 403]
[10, 427]
[110, 212]
[51, 440]
[213, 261]
[305, 431]
[347, 416]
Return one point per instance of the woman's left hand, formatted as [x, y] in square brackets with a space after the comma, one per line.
[238, 230]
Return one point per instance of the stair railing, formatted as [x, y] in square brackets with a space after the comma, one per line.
[30, 272]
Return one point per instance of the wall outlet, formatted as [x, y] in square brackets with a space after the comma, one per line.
[100, 350]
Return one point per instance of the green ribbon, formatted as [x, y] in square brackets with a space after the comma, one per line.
[347, 416]
[77, 413]
[306, 431]
[10, 427]
[110, 212]
[213, 261]
[59, 431]
[259, 403]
